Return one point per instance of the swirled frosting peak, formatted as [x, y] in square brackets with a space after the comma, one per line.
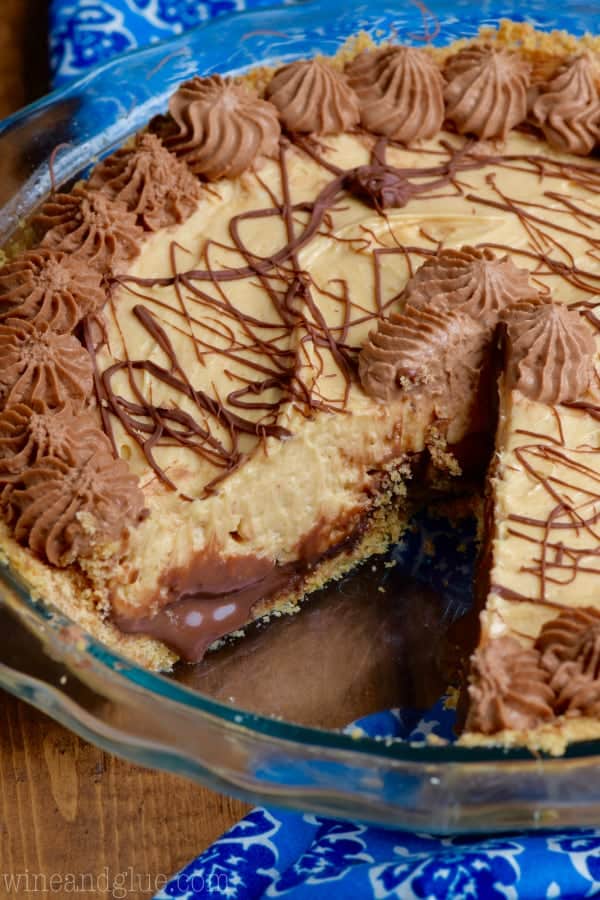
[570, 652]
[152, 183]
[67, 509]
[47, 286]
[509, 688]
[471, 280]
[486, 91]
[312, 96]
[550, 351]
[37, 364]
[437, 350]
[221, 127]
[28, 433]
[568, 107]
[400, 90]
[89, 225]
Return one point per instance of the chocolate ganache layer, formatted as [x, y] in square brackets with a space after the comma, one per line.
[235, 344]
[216, 596]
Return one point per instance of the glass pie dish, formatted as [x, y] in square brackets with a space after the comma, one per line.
[263, 718]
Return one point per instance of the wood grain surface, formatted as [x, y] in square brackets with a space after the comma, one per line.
[24, 70]
[75, 822]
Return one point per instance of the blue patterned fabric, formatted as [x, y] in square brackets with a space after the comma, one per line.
[304, 857]
[280, 854]
[307, 857]
[273, 854]
[86, 32]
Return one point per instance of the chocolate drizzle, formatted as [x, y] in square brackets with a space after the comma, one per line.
[152, 425]
[219, 428]
[223, 429]
[66, 501]
[564, 543]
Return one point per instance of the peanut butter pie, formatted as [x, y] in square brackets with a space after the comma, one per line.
[297, 306]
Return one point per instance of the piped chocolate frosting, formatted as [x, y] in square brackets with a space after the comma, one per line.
[28, 433]
[312, 96]
[471, 280]
[400, 90]
[152, 183]
[89, 225]
[567, 108]
[36, 364]
[436, 350]
[550, 351]
[486, 91]
[570, 652]
[509, 688]
[68, 509]
[221, 127]
[44, 286]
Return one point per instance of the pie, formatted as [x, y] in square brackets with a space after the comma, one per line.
[292, 310]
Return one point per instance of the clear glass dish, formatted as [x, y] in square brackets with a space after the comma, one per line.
[259, 719]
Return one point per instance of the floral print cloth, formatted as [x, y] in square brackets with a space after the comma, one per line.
[272, 853]
[308, 857]
[86, 32]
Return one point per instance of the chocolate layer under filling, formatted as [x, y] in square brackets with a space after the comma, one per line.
[216, 596]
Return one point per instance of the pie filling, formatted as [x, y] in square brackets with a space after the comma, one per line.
[287, 309]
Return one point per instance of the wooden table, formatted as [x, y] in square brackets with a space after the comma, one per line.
[67, 809]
